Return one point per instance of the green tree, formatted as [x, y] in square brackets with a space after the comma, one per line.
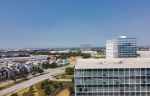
[69, 71]
[86, 56]
[53, 65]
[49, 89]
[40, 70]
[47, 65]
[31, 91]
[40, 53]
[14, 94]
[44, 83]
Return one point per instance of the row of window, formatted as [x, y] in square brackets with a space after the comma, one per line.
[112, 73]
[116, 69]
[113, 89]
[95, 81]
[113, 94]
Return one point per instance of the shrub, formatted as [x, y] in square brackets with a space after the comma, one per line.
[14, 94]
[69, 71]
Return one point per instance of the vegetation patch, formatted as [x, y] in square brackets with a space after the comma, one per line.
[11, 83]
[64, 92]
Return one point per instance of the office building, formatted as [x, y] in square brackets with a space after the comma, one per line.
[123, 47]
[112, 77]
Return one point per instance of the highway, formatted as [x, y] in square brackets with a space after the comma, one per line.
[33, 81]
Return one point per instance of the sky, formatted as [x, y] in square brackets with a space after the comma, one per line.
[70, 23]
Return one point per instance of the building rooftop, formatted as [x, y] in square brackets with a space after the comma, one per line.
[123, 36]
[113, 63]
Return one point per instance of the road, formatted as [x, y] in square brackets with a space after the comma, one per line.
[33, 81]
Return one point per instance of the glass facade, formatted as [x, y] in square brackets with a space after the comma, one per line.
[112, 82]
[121, 48]
[127, 47]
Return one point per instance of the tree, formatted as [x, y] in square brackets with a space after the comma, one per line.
[47, 65]
[13, 77]
[53, 65]
[40, 53]
[69, 71]
[31, 91]
[40, 70]
[44, 83]
[49, 89]
[86, 55]
[37, 69]
[14, 94]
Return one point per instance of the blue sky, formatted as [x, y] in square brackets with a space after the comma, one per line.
[67, 23]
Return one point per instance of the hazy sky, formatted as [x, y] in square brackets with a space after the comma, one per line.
[66, 23]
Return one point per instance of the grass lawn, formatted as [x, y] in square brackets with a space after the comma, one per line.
[64, 76]
[36, 88]
[7, 84]
[64, 92]
[62, 89]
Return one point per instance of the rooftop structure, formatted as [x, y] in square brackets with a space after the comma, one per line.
[113, 63]
[112, 77]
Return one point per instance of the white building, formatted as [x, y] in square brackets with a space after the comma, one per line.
[111, 49]
[112, 77]
[144, 54]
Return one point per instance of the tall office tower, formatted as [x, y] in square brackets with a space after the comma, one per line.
[122, 47]
[113, 77]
